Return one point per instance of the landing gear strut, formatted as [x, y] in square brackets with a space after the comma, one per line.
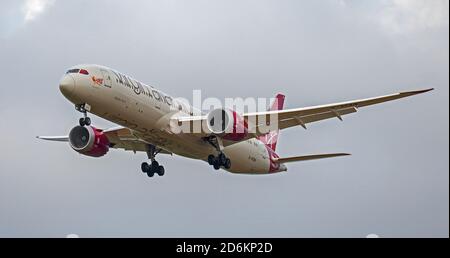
[85, 120]
[154, 167]
[221, 160]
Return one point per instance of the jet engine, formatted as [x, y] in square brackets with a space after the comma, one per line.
[227, 124]
[88, 141]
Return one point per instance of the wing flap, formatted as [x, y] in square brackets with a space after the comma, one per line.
[123, 138]
[303, 120]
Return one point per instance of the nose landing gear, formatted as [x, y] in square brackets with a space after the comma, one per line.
[154, 167]
[83, 108]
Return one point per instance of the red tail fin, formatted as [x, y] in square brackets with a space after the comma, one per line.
[270, 139]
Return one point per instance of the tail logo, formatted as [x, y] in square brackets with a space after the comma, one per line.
[271, 138]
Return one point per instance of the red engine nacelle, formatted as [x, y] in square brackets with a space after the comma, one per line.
[88, 141]
[228, 124]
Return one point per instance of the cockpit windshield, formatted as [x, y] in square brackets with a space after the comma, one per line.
[82, 71]
[73, 71]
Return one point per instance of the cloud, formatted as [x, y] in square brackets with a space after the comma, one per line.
[16, 14]
[33, 8]
[403, 16]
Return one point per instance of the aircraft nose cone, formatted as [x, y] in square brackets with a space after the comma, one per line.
[67, 85]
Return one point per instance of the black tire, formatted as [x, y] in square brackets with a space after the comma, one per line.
[87, 121]
[216, 165]
[161, 171]
[145, 167]
[82, 122]
[211, 160]
[155, 165]
[222, 159]
[227, 164]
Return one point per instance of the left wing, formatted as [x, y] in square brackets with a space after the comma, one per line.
[302, 116]
[119, 138]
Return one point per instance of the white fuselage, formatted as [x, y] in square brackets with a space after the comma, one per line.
[147, 112]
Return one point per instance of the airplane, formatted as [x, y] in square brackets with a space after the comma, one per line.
[146, 116]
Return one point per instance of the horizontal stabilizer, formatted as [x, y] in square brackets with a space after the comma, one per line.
[54, 138]
[310, 157]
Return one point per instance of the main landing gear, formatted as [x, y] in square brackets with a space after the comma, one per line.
[154, 167]
[221, 160]
[85, 120]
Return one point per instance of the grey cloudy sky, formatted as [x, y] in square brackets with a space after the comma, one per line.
[396, 184]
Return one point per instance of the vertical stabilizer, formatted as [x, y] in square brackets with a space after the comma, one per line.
[270, 139]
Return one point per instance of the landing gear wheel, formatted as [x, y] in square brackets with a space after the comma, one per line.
[87, 121]
[227, 164]
[160, 171]
[222, 158]
[145, 167]
[220, 161]
[82, 122]
[211, 160]
[216, 165]
[155, 165]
